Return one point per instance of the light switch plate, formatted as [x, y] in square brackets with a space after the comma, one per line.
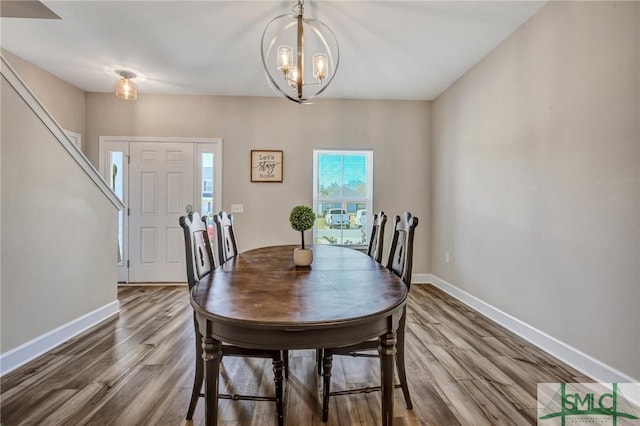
[237, 208]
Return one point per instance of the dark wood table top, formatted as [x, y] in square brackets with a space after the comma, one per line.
[262, 288]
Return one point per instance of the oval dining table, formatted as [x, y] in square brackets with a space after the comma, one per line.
[261, 299]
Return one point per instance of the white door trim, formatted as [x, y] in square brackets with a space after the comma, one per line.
[201, 145]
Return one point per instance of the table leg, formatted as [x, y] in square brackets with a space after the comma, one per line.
[211, 354]
[387, 351]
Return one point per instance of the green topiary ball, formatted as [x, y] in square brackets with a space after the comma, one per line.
[302, 218]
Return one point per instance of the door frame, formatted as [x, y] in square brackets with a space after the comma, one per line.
[107, 144]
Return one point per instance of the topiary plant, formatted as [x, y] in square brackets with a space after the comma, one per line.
[301, 219]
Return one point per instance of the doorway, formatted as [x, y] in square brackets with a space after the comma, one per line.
[159, 179]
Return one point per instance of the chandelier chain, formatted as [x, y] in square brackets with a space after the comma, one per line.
[298, 9]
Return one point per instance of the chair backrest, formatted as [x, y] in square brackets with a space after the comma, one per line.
[227, 247]
[377, 236]
[401, 249]
[199, 257]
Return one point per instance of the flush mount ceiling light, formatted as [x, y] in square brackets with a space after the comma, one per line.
[126, 88]
[285, 66]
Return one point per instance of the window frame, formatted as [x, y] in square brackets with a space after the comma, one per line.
[367, 199]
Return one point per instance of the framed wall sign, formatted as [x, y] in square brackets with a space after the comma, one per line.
[266, 166]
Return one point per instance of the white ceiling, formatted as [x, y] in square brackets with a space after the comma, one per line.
[410, 50]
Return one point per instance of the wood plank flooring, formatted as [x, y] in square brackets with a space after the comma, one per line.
[137, 369]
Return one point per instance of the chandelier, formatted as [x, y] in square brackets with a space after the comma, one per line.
[285, 67]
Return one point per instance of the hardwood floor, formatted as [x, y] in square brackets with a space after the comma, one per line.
[137, 369]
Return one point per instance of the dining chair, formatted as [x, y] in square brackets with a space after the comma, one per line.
[374, 251]
[228, 248]
[200, 263]
[377, 236]
[400, 261]
[226, 236]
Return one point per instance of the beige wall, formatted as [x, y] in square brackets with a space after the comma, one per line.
[398, 132]
[64, 102]
[536, 189]
[532, 175]
[58, 231]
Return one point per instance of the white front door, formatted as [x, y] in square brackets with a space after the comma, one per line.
[161, 185]
[159, 173]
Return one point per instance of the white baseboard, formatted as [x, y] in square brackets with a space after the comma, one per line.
[421, 278]
[26, 352]
[591, 367]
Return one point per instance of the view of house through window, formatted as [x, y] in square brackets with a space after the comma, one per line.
[116, 169]
[207, 204]
[342, 196]
[206, 184]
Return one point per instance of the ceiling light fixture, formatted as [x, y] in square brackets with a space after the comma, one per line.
[126, 88]
[288, 65]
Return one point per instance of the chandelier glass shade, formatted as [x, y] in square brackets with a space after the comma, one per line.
[126, 88]
[290, 70]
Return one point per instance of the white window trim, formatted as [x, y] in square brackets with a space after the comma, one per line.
[368, 152]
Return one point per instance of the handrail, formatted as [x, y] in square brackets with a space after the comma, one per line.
[36, 106]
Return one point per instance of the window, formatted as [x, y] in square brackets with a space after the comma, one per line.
[116, 167]
[206, 184]
[209, 176]
[342, 196]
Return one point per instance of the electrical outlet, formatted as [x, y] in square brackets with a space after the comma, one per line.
[447, 257]
[237, 208]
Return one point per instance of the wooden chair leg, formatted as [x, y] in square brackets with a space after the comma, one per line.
[327, 364]
[400, 364]
[319, 355]
[278, 366]
[199, 375]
